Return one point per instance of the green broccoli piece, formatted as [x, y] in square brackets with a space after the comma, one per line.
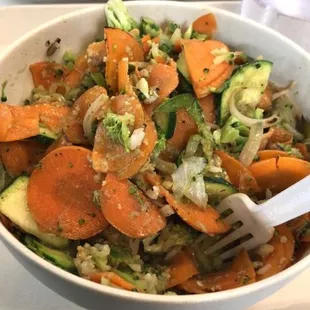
[118, 16]
[117, 128]
[148, 26]
[171, 27]
[199, 36]
[69, 59]
[160, 144]
[172, 235]
[232, 130]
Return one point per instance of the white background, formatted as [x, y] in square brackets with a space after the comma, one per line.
[18, 289]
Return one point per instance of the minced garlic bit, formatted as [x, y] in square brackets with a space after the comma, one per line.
[264, 249]
[136, 138]
[153, 193]
[263, 270]
[283, 239]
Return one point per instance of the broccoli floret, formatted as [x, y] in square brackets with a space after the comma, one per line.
[160, 144]
[199, 36]
[232, 130]
[117, 128]
[118, 16]
[171, 27]
[148, 26]
[69, 59]
[172, 235]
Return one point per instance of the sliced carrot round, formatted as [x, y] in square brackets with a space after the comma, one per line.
[184, 129]
[181, 269]
[205, 24]
[109, 156]
[207, 221]
[128, 210]
[239, 175]
[267, 154]
[17, 123]
[120, 44]
[208, 107]
[60, 194]
[283, 250]
[279, 173]
[240, 273]
[21, 156]
[73, 127]
[163, 78]
[202, 70]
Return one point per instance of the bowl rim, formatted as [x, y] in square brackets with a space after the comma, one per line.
[21, 249]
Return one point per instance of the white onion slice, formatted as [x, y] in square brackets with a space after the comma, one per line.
[247, 121]
[283, 91]
[252, 145]
[90, 116]
[188, 181]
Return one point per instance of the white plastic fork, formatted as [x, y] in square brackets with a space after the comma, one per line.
[260, 220]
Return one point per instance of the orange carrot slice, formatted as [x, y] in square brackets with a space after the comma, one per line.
[74, 77]
[60, 194]
[280, 135]
[205, 24]
[17, 123]
[45, 73]
[279, 173]
[184, 129]
[239, 175]
[267, 154]
[266, 99]
[52, 115]
[113, 278]
[181, 269]
[120, 44]
[21, 156]
[208, 108]
[146, 47]
[128, 210]
[202, 70]
[207, 221]
[109, 156]
[283, 250]
[124, 85]
[241, 273]
[60, 142]
[73, 127]
[163, 78]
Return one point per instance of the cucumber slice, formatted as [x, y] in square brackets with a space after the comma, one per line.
[46, 136]
[166, 121]
[13, 204]
[218, 188]
[56, 257]
[182, 67]
[184, 101]
[253, 77]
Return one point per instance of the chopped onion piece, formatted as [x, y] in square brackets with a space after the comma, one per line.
[267, 122]
[188, 181]
[283, 91]
[143, 86]
[252, 145]
[136, 138]
[176, 36]
[166, 210]
[90, 116]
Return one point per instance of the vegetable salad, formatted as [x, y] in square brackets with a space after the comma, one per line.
[114, 167]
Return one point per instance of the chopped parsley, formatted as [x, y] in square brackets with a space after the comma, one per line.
[132, 190]
[82, 221]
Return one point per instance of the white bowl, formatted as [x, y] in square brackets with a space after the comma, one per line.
[77, 30]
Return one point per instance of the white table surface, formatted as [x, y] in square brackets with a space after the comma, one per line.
[19, 290]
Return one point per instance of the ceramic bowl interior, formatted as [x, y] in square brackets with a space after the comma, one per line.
[76, 31]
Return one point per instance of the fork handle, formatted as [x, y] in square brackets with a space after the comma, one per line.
[292, 202]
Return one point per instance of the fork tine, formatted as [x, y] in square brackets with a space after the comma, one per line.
[233, 252]
[230, 219]
[238, 233]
